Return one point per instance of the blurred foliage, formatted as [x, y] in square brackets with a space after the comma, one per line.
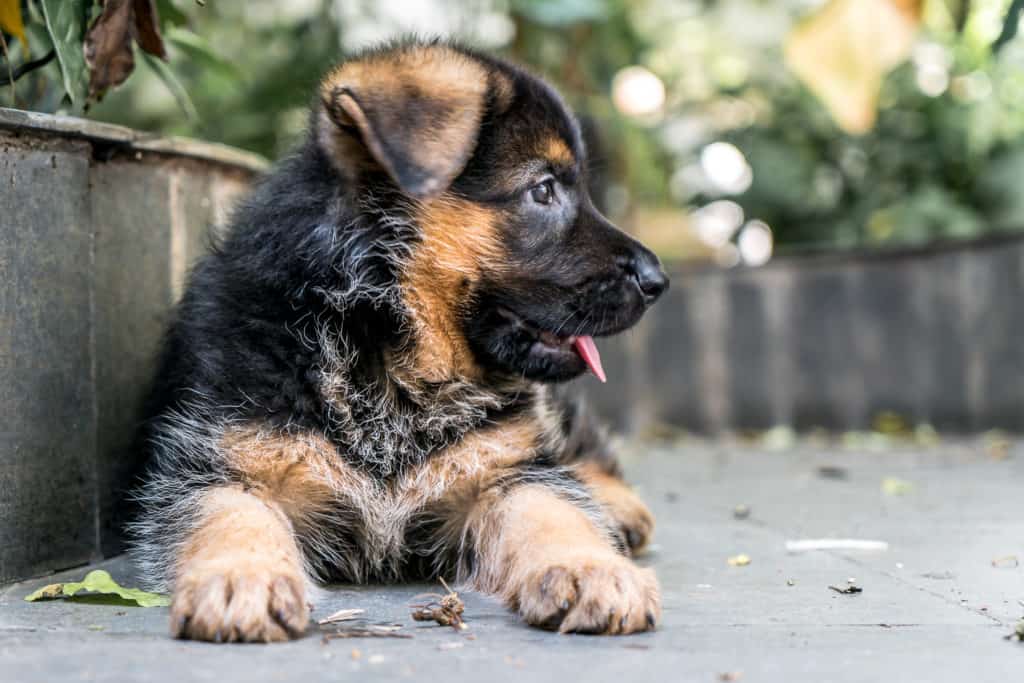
[942, 160]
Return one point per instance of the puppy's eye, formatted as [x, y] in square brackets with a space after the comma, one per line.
[543, 193]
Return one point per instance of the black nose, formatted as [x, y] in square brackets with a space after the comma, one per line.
[645, 268]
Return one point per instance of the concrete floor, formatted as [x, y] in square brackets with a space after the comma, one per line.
[934, 608]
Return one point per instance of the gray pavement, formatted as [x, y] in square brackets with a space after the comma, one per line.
[933, 607]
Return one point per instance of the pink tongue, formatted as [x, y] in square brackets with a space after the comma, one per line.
[587, 349]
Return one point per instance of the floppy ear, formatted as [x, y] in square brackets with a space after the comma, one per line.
[416, 112]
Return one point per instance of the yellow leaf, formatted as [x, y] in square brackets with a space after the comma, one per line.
[10, 20]
[845, 50]
[740, 560]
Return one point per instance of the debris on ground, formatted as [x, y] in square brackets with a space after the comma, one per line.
[355, 654]
[341, 615]
[1008, 562]
[98, 584]
[997, 444]
[446, 610]
[366, 631]
[939, 576]
[809, 544]
[779, 438]
[851, 588]
[893, 486]
[1018, 633]
[741, 512]
[740, 560]
[730, 676]
[833, 472]
[790, 582]
[451, 645]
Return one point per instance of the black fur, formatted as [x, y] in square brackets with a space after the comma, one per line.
[296, 318]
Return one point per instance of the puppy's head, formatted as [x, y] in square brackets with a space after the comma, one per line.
[514, 271]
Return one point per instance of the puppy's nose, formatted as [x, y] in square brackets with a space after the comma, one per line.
[645, 268]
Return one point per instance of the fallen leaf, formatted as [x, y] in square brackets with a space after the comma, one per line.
[891, 486]
[740, 560]
[1008, 562]
[11, 22]
[446, 610]
[99, 581]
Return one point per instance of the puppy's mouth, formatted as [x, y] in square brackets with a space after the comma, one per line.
[551, 344]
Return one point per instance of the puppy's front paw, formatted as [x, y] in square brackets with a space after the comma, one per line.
[605, 593]
[245, 603]
[633, 517]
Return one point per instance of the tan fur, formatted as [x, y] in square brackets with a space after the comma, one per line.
[557, 152]
[546, 559]
[239, 577]
[620, 502]
[460, 243]
[383, 83]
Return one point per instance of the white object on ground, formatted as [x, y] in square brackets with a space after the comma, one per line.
[809, 544]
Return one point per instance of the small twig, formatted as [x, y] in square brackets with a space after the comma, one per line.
[341, 615]
[364, 633]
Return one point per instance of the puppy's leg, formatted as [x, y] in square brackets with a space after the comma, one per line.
[632, 516]
[587, 452]
[239, 575]
[549, 560]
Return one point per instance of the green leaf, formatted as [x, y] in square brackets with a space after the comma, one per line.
[99, 581]
[200, 51]
[170, 80]
[65, 23]
[169, 14]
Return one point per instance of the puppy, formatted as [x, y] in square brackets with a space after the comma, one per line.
[360, 380]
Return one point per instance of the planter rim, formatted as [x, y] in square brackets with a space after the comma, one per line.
[128, 138]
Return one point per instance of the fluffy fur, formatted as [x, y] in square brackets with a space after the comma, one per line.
[358, 385]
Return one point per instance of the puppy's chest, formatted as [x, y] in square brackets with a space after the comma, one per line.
[384, 521]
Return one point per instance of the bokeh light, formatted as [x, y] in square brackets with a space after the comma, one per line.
[637, 91]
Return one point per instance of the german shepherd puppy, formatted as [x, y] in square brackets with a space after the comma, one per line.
[359, 381]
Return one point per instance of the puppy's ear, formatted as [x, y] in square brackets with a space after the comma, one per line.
[415, 112]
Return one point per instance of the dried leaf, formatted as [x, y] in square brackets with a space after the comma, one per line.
[11, 22]
[108, 47]
[446, 610]
[99, 581]
[147, 25]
